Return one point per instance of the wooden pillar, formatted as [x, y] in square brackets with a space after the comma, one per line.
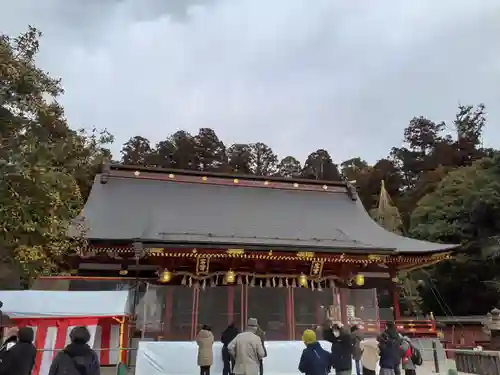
[395, 295]
[167, 312]
[290, 313]
[343, 305]
[194, 312]
[230, 304]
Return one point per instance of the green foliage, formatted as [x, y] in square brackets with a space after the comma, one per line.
[45, 167]
[464, 208]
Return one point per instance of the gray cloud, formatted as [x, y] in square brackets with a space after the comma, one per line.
[297, 74]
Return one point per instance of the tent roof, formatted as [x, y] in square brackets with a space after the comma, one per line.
[203, 210]
[52, 304]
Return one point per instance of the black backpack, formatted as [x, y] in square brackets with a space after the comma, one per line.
[416, 356]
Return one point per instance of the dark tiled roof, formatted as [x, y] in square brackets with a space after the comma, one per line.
[203, 214]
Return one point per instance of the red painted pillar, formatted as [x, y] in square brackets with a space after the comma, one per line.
[230, 304]
[343, 305]
[167, 313]
[290, 313]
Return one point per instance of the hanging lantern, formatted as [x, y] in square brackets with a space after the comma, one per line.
[359, 279]
[230, 276]
[302, 280]
[165, 276]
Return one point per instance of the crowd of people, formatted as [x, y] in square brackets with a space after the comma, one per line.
[18, 354]
[243, 352]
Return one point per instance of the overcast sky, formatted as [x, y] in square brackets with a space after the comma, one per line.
[296, 74]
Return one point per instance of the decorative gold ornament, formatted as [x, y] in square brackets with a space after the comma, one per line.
[316, 269]
[202, 265]
[266, 182]
[123, 272]
[236, 180]
[171, 175]
[302, 280]
[359, 279]
[204, 178]
[165, 276]
[230, 277]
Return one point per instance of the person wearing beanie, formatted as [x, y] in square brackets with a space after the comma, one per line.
[77, 358]
[314, 359]
[20, 358]
[247, 350]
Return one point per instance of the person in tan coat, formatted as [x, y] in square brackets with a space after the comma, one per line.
[247, 350]
[205, 341]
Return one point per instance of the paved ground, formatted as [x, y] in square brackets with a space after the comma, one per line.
[426, 369]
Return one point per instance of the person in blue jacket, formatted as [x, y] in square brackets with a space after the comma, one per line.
[314, 360]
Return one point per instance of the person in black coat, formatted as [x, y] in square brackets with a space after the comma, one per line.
[77, 358]
[389, 343]
[342, 347]
[20, 358]
[228, 335]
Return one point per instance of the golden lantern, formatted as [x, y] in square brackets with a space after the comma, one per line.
[165, 276]
[359, 279]
[230, 276]
[302, 280]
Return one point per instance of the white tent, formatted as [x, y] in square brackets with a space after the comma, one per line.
[42, 303]
[53, 314]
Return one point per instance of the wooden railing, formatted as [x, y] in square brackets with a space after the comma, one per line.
[406, 327]
[478, 362]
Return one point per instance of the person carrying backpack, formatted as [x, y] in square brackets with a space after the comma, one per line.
[411, 356]
[77, 358]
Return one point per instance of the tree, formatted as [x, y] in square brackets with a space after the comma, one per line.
[464, 208]
[137, 151]
[263, 160]
[211, 152]
[289, 167]
[319, 166]
[469, 124]
[163, 154]
[240, 158]
[44, 165]
[185, 152]
[351, 169]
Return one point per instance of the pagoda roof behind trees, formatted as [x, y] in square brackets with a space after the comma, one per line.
[187, 208]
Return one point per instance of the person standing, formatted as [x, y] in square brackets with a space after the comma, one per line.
[227, 336]
[19, 359]
[314, 359]
[205, 341]
[357, 337]
[77, 358]
[247, 350]
[407, 360]
[389, 343]
[341, 340]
